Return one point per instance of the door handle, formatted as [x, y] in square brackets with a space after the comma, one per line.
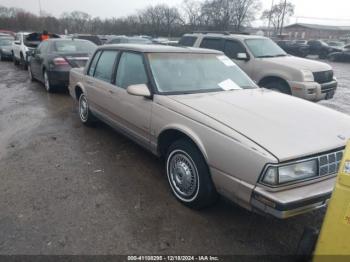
[89, 82]
[111, 92]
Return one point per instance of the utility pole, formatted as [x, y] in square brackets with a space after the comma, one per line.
[270, 16]
[283, 15]
[40, 9]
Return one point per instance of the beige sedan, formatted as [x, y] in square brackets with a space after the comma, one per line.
[219, 133]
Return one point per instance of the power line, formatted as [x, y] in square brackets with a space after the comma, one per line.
[321, 18]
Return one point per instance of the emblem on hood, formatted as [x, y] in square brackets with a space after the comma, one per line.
[341, 137]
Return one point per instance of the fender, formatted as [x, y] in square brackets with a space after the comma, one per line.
[188, 132]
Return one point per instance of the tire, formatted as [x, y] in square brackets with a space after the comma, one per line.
[279, 86]
[23, 63]
[15, 61]
[85, 115]
[332, 58]
[30, 73]
[48, 86]
[323, 55]
[188, 175]
[307, 243]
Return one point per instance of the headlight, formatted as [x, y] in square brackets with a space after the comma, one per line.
[277, 175]
[308, 76]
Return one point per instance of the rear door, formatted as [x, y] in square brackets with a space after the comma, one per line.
[37, 60]
[98, 81]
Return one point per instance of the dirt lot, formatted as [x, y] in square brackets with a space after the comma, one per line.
[68, 189]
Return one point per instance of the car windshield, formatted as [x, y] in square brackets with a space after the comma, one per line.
[264, 48]
[74, 46]
[195, 73]
[5, 42]
[336, 44]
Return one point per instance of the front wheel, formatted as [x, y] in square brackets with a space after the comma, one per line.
[85, 115]
[188, 175]
[30, 73]
[278, 86]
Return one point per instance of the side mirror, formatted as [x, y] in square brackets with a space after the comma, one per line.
[139, 90]
[242, 56]
[17, 42]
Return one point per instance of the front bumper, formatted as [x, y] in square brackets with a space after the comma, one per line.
[295, 201]
[313, 91]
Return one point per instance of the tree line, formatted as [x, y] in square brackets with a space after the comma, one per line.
[157, 20]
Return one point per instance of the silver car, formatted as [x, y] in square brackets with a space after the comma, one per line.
[218, 132]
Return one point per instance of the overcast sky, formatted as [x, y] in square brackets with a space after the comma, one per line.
[333, 12]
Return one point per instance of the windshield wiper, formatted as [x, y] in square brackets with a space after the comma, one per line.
[265, 56]
[280, 55]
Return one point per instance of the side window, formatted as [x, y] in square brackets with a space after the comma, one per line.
[187, 40]
[212, 43]
[232, 48]
[94, 63]
[116, 41]
[131, 70]
[104, 68]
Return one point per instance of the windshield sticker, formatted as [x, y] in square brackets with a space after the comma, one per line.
[227, 61]
[229, 85]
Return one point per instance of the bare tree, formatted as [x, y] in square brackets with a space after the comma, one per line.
[278, 14]
[192, 13]
[244, 12]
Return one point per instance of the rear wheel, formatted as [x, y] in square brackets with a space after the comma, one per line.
[278, 86]
[23, 62]
[15, 61]
[48, 86]
[188, 175]
[85, 115]
[30, 73]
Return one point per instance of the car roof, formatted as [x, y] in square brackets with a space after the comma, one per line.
[67, 39]
[158, 49]
[228, 36]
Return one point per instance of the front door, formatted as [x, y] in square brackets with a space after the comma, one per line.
[132, 113]
[231, 49]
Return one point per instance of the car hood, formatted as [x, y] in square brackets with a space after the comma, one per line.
[286, 126]
[298, 63]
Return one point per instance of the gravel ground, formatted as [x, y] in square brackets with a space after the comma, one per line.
[68, 189]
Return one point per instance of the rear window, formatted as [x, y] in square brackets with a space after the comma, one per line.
[187, 40]
[74, 46]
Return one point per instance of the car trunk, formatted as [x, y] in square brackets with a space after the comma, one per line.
[76, 59]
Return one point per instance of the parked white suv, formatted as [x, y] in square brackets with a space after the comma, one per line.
[269, 66]
[20, 49]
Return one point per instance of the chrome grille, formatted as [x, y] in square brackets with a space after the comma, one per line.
[329, 164]
[323, 77]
